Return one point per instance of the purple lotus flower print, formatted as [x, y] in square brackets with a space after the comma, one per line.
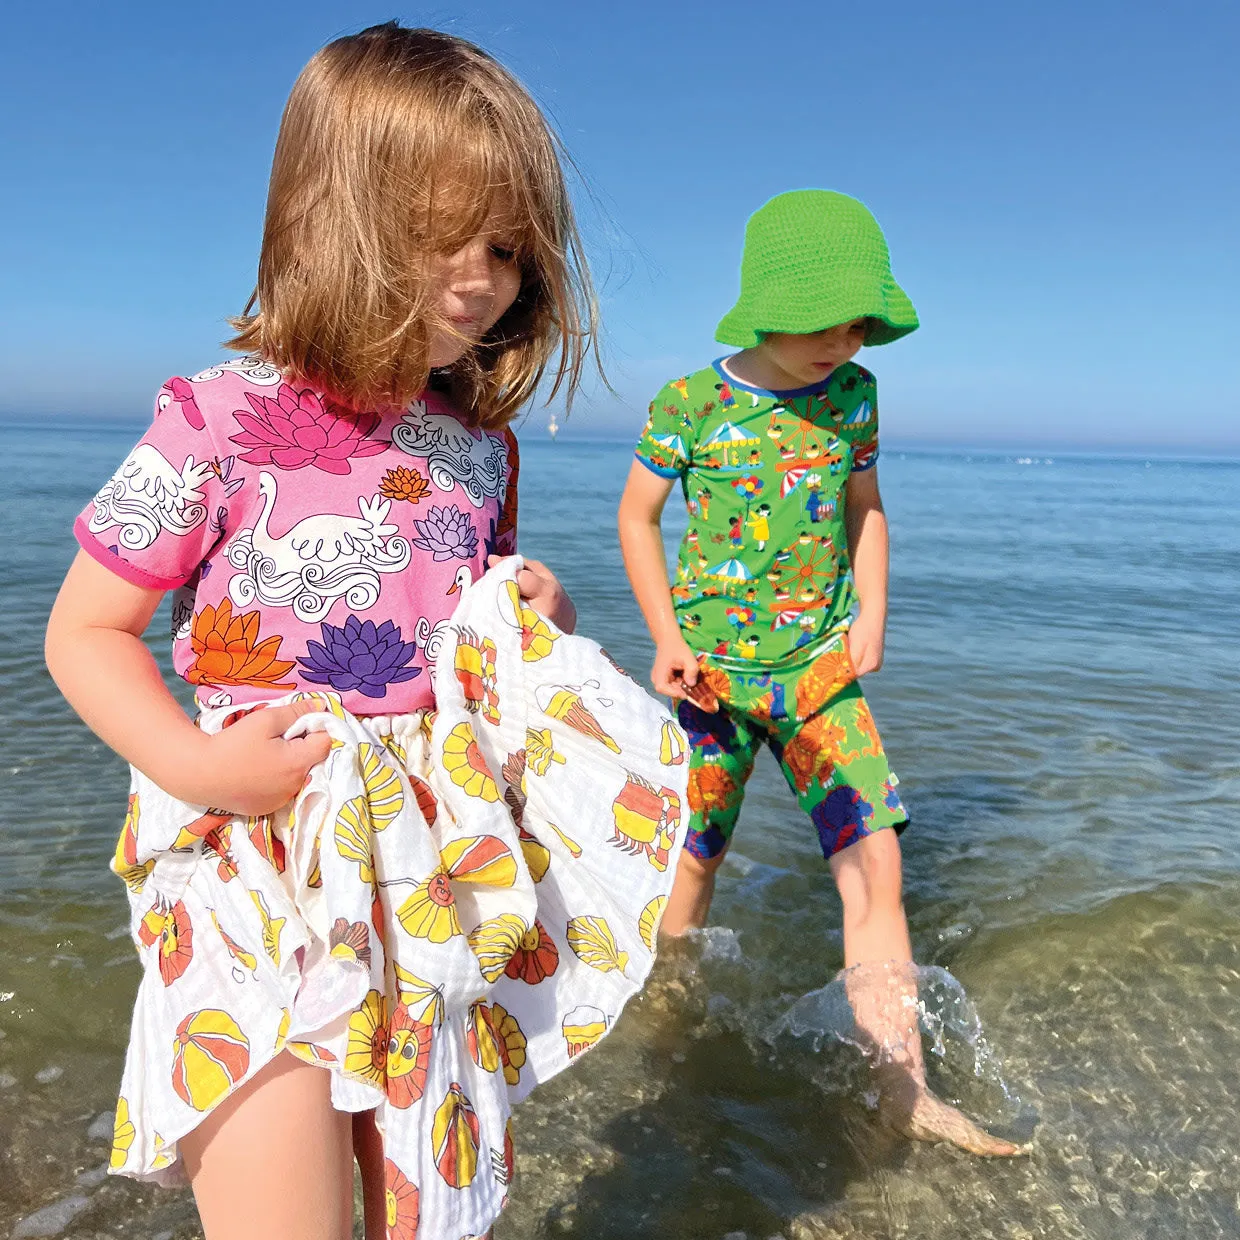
[841, 817]
[447, 533]
[358, 657]
[295, 429]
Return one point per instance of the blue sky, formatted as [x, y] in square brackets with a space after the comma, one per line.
[1059, 184]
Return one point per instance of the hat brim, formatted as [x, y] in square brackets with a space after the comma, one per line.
[888, 308]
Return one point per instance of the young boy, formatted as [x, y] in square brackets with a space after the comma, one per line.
[780, 600]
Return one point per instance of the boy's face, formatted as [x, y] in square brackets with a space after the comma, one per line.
[810, 357]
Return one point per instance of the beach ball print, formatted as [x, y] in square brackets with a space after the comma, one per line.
[841, 817]
[455, 1137]
[210, 1056]
[402, 1203]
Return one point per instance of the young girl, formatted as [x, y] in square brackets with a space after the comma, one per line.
[347, 901]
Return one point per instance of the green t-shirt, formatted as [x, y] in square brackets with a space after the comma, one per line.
[763, 568]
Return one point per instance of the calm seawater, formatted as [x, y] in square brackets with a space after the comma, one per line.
[1062, 702]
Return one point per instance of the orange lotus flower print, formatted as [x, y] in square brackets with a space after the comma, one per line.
[404, 483]
[227, 651]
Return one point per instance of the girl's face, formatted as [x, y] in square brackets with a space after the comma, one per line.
[476, 285]
[808, 358]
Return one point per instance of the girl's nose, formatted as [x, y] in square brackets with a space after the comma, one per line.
[471, 269]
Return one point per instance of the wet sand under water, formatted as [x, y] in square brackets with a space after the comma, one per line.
[1070, 760]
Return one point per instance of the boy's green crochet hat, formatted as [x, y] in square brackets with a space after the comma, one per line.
[813, 259]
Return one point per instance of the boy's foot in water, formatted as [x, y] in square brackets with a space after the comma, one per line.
[914, 1112]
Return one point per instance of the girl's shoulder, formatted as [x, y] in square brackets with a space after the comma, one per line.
[220, 399]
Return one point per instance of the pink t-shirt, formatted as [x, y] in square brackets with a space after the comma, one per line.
[308, 546]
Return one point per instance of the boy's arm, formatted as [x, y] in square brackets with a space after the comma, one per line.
[866, 523]
[641, 543]
[97, 657]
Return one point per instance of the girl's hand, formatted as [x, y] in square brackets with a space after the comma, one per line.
[675, 670]
[865, 644]
[249, 767]
[540, 588]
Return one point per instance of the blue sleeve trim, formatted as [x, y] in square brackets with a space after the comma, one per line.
[654, 469]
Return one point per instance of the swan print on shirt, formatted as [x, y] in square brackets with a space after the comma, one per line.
[320, 559]
[148, 494]
[308, 545]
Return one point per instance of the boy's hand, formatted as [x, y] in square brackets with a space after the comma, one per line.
[249, 767]
[540, 588]
[865, 644]
[675, 670]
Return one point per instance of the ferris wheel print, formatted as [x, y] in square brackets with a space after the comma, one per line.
[802, 576]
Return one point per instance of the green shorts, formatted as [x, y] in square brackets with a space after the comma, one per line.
[814, 717]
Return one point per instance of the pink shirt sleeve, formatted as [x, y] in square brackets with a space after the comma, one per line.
[165, 508]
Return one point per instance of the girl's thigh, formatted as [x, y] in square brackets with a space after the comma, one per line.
[274, 1160]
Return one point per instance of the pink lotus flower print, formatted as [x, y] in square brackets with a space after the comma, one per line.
[295, 429]
[446, 533]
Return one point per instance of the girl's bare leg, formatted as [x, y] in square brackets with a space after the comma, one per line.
[881, 982]
[368, 1150]
[274, 1160]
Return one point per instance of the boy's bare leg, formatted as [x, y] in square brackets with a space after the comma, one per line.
[692, 889]
[881, 983]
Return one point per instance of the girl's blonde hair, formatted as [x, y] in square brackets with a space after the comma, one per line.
[392, 149]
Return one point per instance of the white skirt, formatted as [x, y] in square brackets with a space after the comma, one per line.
[455, 907]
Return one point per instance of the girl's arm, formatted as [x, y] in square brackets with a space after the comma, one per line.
[641, 542]
[96, 656]
[866, 523]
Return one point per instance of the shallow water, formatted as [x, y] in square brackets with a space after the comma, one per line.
[1062, 702]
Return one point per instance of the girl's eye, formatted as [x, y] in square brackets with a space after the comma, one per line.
[505, 254]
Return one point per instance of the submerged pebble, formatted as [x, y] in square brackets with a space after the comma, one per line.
[92, 1178]
[45, 1076]
[52, 1219]
[101, 1127]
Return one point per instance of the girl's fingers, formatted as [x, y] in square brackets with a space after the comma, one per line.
[280, 718]
[311, 750]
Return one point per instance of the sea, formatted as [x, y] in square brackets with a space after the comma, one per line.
[1061, 699]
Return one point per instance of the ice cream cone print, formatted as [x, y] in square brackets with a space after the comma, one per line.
[582, 1028]
[671, 744]
[564, 702]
